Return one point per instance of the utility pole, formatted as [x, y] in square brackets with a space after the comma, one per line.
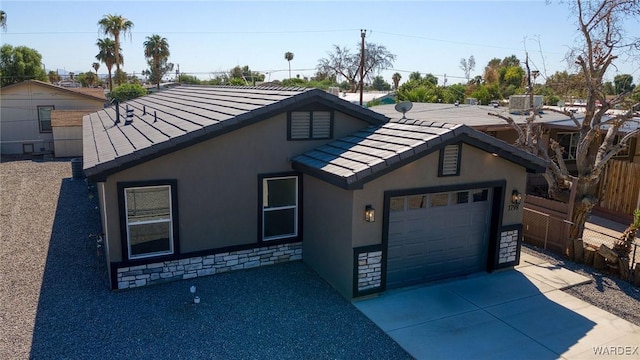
[363, 34]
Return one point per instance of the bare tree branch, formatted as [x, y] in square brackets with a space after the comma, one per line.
[341, 61]
[568, 113]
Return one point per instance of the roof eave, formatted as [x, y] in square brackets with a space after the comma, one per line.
[460, 133]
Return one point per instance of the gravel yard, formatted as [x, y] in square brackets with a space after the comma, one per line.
[55, 303]
[605, 291]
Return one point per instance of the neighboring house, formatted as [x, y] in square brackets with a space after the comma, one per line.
[70, 84]
[26, 120]
[151, 88]
[204, 180]
[557, 126]
[385, 97]
[619, 188]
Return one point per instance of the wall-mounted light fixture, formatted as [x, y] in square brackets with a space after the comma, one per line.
[369, 213]
[516, 197]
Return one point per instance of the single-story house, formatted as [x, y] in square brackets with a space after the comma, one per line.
[27, 124]
[197, 180]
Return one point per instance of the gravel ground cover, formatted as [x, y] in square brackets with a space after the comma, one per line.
[55, 304]
[606, 291]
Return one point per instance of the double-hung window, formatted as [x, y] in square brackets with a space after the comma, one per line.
[149, 220]
[280, 197]
[44, 118]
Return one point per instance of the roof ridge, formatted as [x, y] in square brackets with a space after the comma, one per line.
[251, 87]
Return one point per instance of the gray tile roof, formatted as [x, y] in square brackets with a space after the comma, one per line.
[173, 119]
[476, 116]
[354, 160]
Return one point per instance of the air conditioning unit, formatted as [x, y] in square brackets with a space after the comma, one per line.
[520, 105]
[334, 90]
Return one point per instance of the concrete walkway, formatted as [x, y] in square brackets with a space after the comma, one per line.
[518, 313]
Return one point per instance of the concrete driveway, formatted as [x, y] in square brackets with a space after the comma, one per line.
[511, 314]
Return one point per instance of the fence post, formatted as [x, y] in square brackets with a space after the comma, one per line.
[633, 265]
[546, 231]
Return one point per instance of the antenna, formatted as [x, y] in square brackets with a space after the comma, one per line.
[404, 107]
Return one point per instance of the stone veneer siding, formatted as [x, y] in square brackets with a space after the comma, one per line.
[369, 270]
[508, 246]
[154, 273]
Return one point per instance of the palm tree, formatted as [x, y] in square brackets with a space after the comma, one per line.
[3, 20]
[95, 67]
[53, 76]
[156, 50]
[116, 25]
[396, 80]
[107, 55]
[289, 56]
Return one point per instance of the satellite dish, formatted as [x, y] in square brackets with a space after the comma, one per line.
[404, 107]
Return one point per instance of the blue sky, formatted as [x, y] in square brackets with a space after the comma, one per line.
[212, 36]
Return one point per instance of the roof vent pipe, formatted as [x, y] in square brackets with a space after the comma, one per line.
[155, 116]
[117, 111]
[129, 118]
[144, 109]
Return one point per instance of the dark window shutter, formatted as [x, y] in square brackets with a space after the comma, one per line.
[321, 125]
[300, 125]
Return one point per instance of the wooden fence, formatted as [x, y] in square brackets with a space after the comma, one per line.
[619, 189]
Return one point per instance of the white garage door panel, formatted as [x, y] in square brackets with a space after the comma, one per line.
[432, 243]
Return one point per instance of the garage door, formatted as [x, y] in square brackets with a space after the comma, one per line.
[437, 235]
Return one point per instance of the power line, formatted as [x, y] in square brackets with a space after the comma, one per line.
[454, 42]
[189, 32]
[426, 73]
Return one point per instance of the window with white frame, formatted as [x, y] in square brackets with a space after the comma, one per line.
[624, 153]
[149, 221]
[279, 207]
[569, 141]
[310, 125]
[44, 118]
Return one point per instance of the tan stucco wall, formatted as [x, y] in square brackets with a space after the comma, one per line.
[476, 166]
[335, 217]
[327, 233]
[19, 107]
[218, 182]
